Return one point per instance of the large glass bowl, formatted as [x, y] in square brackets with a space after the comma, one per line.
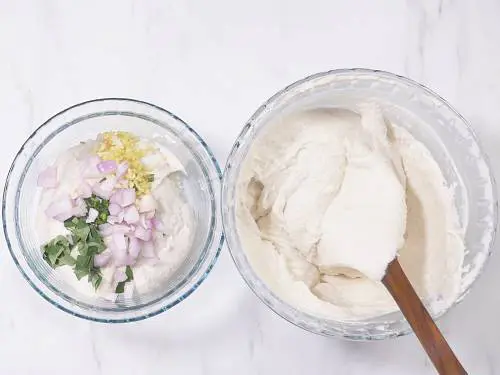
[431, 120]
[201, 187]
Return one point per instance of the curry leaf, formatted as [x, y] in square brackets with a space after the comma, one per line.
[78, 249]
[120, 287]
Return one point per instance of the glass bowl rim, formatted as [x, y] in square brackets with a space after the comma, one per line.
[196, 276]
[277, 301]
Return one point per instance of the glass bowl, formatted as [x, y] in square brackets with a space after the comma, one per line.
[431, 120]
[200, 185]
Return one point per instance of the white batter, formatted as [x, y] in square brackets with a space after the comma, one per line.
[327, 198]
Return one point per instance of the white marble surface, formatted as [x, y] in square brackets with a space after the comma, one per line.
[212, 63]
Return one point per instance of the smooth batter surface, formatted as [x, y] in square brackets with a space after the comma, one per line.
[327, 198]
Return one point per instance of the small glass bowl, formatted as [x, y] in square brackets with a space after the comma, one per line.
[201, 187]
[431, 120]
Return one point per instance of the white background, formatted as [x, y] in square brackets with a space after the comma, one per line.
[213, 63]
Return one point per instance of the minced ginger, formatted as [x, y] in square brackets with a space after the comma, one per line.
[125, 147]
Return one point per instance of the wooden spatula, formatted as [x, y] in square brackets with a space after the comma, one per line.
[419, 319]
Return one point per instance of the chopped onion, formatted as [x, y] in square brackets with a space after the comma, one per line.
[116, 219]
[113, 219]
[48, 178]
[120, 228]
[100, 192]
[118, 246]
[131, 261]
[121, 169]
[105, 189]
[128, 197]
[120, 275]
[60, 209]
[147, 203]
[116, 197]
[114, 209]
[93, 213]
[84, 190]
[134, 247]
[123, 197]
[79, 208]
[109, 183]
[143, 234]
[119, 241]
[131, 215]
[107, 166]
[150, 214]
[100, 260]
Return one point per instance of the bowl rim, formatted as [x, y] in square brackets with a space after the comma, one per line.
[196, 275]
[250, 123]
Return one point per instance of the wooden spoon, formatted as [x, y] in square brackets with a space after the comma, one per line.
[425, 328]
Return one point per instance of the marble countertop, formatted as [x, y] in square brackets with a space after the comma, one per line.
[213, 63]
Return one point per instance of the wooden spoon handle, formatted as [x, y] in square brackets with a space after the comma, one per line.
[419, 319]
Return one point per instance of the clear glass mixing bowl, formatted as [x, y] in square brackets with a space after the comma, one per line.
[430, 119]
[84, 121]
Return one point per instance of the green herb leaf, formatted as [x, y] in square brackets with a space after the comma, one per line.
[82, 248]
[96, 280]
[78, 228]
[55, 250]
[80, 273]
[84, 242]
[83, 262]
[67, 260]
[120, 287]
[102, 207]
[129, 273]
